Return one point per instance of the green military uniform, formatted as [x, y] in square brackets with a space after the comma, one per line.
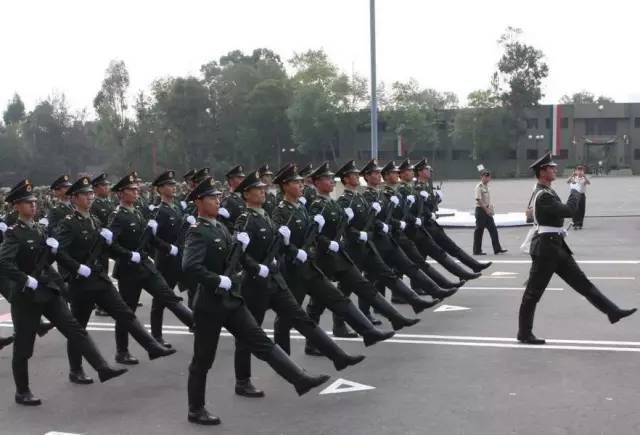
[102, 208]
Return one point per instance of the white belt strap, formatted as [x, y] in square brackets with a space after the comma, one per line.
[543, 229]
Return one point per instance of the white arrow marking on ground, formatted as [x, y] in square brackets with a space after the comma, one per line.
[344, 386]
[504, 273]
[443, 308]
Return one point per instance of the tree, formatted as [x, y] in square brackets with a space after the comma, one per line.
[518, 80]
[585, 97]
[15, 111]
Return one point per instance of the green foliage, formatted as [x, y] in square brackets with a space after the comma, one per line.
[15, 111]
[585, 97]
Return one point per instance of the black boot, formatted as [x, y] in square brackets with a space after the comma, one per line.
[44, 327]
[183, 313]
[6, 341]
[310, 350]
[340, 328]
[163, 343]
[621, 314]
[26, 398]
[453, 267]
[373, 319]
[329, 348]
[290, 371]
[525, 322]
[201, 416]
[419, 305]
[244, 387]
[398, 321]
[159, 351]
[606, 305]
[78, 376]
[471, 262]
[126, 358]
[364, 327]
[107, 372]
[439, 278]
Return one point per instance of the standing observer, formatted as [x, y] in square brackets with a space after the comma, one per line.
[484, 216]
[579, 178]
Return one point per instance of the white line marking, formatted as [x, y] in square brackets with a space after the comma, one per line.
[344, 386]
[504, 274]
[629, 278]
[579, 261]
[444, 308]
[553, 289]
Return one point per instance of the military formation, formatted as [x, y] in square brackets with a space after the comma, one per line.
[266, 243]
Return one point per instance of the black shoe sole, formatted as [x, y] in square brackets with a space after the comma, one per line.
[167, 352]
[382, 337]
[306, 388]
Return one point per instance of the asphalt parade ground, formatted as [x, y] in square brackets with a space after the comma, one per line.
[459, 371]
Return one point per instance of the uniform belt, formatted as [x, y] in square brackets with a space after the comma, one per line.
[543, 229]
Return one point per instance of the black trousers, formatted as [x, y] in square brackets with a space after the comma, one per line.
[263, 294]
[578, 218]
[85, 293]
[26, 319]
[305, 280]
[157, 308]
[542, 269]
[241, 324]
[483, 220]
[443, 240]
[131, 286]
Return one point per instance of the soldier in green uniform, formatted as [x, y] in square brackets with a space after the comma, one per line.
[84, 245]
[26, 255]
[264, 287]
[102, 208]
[132, 236]
[211, 257]
[233, 204]
[4, 286]
[309, 192]
[550, 253]
[401, 214]
[61, 206]
[266, 176]
[424, 182]
[335, 262]
[300, 231]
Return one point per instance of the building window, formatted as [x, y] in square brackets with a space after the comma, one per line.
[601, 126]
[441, 154]
[636, 154]
[461, 155]
[511, 155]
[532, 154]
[532, 123]
[547, 123]
[564, 123]
[636, 122]
[564, 154]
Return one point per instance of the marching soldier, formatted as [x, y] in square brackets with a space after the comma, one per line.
[334, 261]
[266, 177]
[434, 197]
[102, 208]
[211, 256]
[61, 206]
[309, 192]
[550, 253]
[300, 231]
[359, 239]
[264, 287]
[169, 236]
[134, 271]
[4, 286]
[25, 258]
[233, 204]
[84, 246]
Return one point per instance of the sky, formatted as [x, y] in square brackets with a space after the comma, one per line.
[64, 46]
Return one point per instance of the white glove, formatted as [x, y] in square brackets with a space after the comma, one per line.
[173, 251]
[376, 207]
[363, 236]
[3, 227]
[225, 282]
[84, 271]
[44, 221]
[286, 234]
[183, 204]
[319, 219]
[385, 228]
[411, 199]
[263, 272]
[31, 283]
[576, 186]
[424, 194]
[153, 224]
[418, 222]
[403, 225]
[244, 239]
[440, 194]
[395, 200]
[349, 212]
[224, 213]
[334, 246]
[301, 256]
[135, 257]
[107, 235]
[303, 200]
[53, 244]
[152, 207]
[191, 220]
